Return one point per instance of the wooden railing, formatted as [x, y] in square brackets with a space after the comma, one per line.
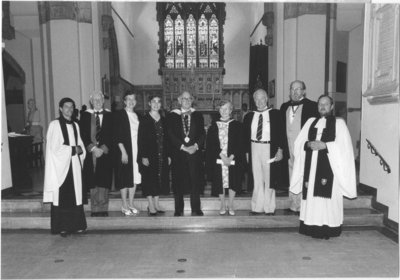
[375, 152]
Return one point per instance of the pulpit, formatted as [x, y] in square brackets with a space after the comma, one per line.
[20, 146]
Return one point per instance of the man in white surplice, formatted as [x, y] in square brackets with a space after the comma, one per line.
[324, 171]
[63, 178]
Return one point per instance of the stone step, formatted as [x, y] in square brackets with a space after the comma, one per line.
[208, 203]
[210, 221]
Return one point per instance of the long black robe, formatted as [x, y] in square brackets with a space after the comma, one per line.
[102, 176]
[184, 164]
[122, 134]
[279, 178]
[309, 110]
[153, 182]
[235, 147]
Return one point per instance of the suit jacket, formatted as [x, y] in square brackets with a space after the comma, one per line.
[186, 169]
[279, 178]
[101, 176]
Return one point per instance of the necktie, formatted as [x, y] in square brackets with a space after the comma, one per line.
[259, 127]
[98, 127]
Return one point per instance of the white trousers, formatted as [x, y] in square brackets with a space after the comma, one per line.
[295, 199]
[263, 199]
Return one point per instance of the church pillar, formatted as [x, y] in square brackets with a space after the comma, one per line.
[305, 45]
[70, 52]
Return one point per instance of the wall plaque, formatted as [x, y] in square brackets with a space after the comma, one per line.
[381, 53]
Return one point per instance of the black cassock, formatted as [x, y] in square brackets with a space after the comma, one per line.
[153, 144]
[309, 110]
[102, 176]
[213, 149]
[279, 178]
[122, 134]
[187, 170]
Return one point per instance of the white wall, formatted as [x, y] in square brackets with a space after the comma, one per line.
[380, 124]
[65, 60]
[138, 55]
[311, 53]
[354, 83]
[237, 30]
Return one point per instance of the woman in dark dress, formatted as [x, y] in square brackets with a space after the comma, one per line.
[127, 174]
[153, 155]
[225, 156]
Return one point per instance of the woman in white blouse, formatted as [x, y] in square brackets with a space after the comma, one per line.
[127, 174]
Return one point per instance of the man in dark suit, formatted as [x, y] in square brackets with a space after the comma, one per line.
[96, 131]
[186, 134]
[295, 113]
[266, 145]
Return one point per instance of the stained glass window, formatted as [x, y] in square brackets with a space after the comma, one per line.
[191, 34]
[203, 42]
[213, 42]
[169, 42]
[191, 42]
[179, 43]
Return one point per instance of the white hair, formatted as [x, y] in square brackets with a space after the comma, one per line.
[96, 93]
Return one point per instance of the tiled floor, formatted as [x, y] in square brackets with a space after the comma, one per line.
[166, 254]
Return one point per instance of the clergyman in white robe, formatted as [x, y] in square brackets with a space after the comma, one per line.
[63, 177]
[322, 217]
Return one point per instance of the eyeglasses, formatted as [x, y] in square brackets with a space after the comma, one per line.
[296, 89]
[187, 98]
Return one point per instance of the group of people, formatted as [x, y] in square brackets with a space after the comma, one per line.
[302, 139]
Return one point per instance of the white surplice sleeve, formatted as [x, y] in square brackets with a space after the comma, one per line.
[341, 159]
[58, 159]
[296, 181]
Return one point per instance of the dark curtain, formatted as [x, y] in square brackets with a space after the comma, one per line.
[258, 70]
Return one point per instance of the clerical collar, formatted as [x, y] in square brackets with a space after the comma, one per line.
[61, 118]
[263, 110]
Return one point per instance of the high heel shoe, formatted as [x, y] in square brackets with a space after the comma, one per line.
[133, 210]
[151, 213]
[126, 212]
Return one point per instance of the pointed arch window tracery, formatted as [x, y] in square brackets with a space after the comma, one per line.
[191, 35]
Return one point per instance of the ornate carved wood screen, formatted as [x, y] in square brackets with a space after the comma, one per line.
[191, 52]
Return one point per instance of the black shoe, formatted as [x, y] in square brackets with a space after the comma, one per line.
[160, 211]
[197, 213]
[63, 234]
[151, 213]
[178, 214]
[292, 211]
[253, 213]
[270, 214]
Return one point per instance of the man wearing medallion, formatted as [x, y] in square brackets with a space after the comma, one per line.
[186, 134]
[265, 147]
[295, 113]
